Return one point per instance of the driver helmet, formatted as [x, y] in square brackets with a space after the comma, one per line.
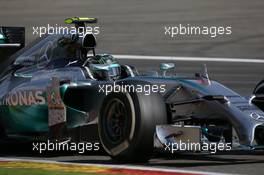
[105, 67]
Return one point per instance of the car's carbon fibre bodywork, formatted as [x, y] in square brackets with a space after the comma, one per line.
[192, 101]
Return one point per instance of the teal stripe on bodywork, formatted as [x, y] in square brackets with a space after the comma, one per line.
[63, 90]
[25, 118]
[34, 118]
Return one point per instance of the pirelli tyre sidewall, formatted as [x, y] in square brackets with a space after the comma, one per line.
[259, 131]
[2, 128]
[143, 113]
[259, 90]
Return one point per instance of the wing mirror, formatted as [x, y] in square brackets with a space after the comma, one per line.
[164, 67]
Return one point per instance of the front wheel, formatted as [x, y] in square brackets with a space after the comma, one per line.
[127, 124]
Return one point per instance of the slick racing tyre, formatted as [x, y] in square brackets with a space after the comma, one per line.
[2, 130]
[127, 124]
[259, 135]
[259, 91]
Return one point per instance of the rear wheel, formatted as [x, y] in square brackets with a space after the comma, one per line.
[2, 130]
[127, 125]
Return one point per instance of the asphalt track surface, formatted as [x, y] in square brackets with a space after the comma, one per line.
[137, 28]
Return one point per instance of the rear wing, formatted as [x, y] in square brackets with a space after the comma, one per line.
[12, 39]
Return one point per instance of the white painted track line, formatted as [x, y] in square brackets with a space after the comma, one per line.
[172, 58]
[10, 45]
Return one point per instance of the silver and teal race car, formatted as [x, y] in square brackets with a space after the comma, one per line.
[54, 89]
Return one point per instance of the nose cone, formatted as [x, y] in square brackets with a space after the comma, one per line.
[245, 118]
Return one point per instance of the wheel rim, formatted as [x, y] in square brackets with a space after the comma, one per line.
[116, 121]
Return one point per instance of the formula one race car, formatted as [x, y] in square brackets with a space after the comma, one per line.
[55, 89]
